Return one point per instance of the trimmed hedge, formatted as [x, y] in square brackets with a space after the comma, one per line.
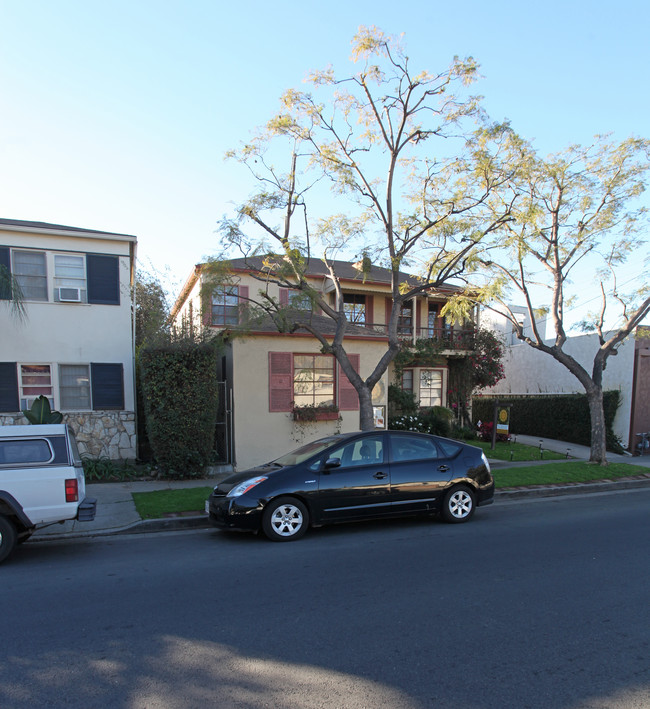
[564, 417]
[180, 390]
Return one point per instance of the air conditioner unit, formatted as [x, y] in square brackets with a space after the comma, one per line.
[70, 295]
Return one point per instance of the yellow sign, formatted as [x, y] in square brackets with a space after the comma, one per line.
[503, 419]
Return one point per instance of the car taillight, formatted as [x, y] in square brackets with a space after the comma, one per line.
[71, 490]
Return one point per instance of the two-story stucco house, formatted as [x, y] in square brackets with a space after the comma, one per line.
[75, 344]
[268, 374]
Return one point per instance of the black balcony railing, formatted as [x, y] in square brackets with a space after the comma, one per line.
[451, 338]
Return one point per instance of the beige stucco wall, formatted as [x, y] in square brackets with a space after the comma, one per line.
[261, 435]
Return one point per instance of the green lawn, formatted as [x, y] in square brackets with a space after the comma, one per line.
[156, 504]
[517, 452]
[569, 472]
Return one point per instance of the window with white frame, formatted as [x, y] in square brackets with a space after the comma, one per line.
[30, 271]
[35, 380]
[407, 380]
[430, 387]
[74, 387]
[225, 305]
[313, 380]
[69, 278]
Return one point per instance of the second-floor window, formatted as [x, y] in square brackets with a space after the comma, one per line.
[225, 305]
[28, 267]
[405, 321]
[354, 306]
[69, 278]
[48, 276]
[296, 299]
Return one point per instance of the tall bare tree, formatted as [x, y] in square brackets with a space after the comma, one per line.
[410, 162]
[578, 207]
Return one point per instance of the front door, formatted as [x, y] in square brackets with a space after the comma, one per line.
[360, 486]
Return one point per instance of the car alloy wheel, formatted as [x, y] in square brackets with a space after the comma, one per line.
[458, 505]
[285, 519]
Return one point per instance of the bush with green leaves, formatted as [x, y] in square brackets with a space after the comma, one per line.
[180, 389]
[41, 412]
[104, 469]
[564, 417]
[436, 420]
[401, 402]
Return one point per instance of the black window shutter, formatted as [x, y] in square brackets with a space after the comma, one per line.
[103, 273]
[5, 273]
[9, 387]
[107, 383]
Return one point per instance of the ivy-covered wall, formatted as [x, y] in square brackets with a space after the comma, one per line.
[564, 417]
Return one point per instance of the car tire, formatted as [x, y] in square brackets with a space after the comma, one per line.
[458, 505]
[7, 538]
[285, 519]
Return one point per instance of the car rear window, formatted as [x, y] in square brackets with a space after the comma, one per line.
[405, 448]
[25, 452]
[449, 447]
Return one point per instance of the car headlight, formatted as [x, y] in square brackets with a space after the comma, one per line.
[244, 487]
[486, 462]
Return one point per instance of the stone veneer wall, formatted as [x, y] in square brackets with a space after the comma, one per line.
[99, 434]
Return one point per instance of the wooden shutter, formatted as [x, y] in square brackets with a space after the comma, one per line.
[280, 381]
[103, 275]
[5, 273]
[418, 316]
[242, 302]
[9, 387]
[389, 310]
[107, 384]
[369, 310]
[284, 296]
[348, 397]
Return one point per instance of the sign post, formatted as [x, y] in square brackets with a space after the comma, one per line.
[501, 425]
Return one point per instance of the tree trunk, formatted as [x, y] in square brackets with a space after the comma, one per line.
[598, 453]
[366, 415]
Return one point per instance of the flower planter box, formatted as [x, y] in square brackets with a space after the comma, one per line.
[315, 415]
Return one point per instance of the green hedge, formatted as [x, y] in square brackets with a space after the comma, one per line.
[179, 385]
[564, 417]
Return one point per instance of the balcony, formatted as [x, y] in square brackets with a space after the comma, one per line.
[451, 338]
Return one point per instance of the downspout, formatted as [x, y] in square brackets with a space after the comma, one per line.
[132, 269]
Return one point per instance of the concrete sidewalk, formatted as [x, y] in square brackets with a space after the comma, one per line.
[116, 513]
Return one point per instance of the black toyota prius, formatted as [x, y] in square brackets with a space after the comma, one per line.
[351, 477]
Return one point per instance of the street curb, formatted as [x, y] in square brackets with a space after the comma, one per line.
[570, 489]
[172, 524]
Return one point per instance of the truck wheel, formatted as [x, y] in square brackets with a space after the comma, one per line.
[7, 538]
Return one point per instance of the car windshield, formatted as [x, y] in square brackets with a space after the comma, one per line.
[304, 452]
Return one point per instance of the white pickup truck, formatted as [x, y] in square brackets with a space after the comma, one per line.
[41, 482]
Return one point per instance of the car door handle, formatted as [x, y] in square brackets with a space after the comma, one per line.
[443, 468]
[380, 476]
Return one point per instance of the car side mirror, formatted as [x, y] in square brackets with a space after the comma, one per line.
[332, 463]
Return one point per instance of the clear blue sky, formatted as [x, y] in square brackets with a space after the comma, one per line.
[116, 115]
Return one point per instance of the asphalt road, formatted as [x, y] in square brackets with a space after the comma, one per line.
[542, 604]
